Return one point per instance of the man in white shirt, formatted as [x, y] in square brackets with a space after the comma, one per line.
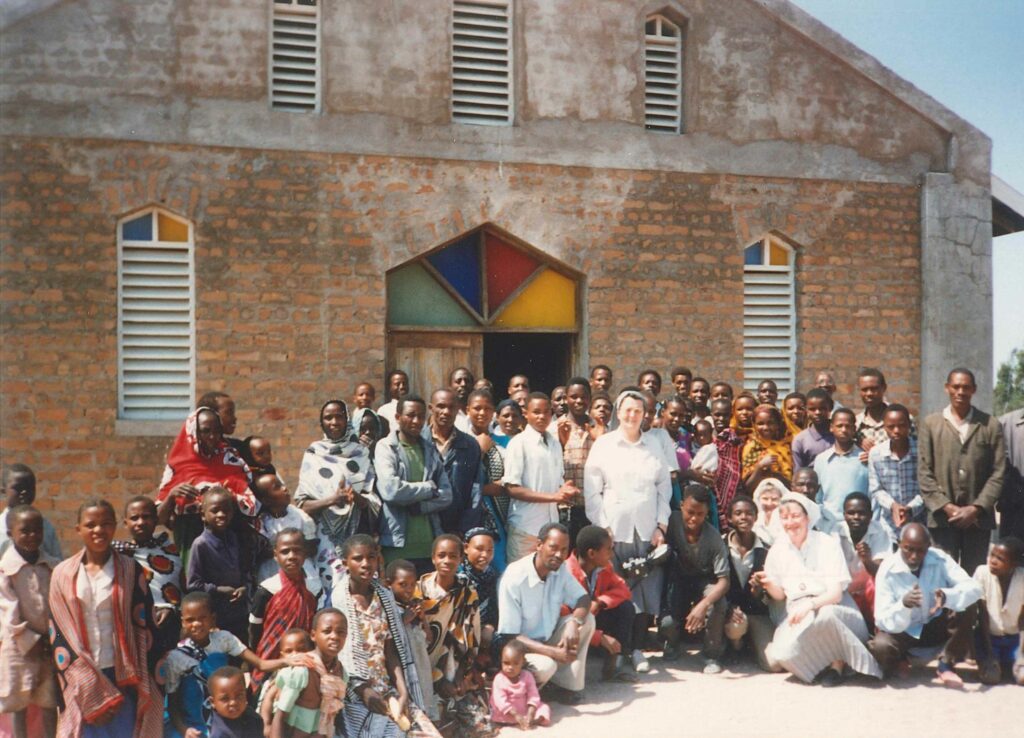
[923, 598]
[461, 382]
[627, 488]
[530, 598]
[535, 478]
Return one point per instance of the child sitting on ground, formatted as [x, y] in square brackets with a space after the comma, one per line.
[1001, 616]
[158, 557]
[218, 565]
[232, 716]
[282, 601]
[514, 696]
[748, 613]
[865, 543]
[611, 601]
[705, 457]
[404, 585]
[309, 698]
[278, 514]
[26, 662]
[186, 670]
[479, 570]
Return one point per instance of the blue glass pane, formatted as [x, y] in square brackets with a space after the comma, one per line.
[140, 229]
[752, 255]
[459, 264]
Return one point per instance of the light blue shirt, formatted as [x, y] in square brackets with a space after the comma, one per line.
[938, 571]
[531, 606]
[839, 475]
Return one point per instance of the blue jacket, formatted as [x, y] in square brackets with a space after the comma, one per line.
[402, 497]
[462, 464]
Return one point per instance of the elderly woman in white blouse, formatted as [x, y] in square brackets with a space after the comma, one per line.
[823, 630]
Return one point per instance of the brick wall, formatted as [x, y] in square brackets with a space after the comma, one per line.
[291, 250]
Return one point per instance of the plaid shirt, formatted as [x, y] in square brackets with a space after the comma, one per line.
[894, 480]
[575, 453]
[867, 428]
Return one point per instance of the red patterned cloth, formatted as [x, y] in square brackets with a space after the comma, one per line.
[291, 606]
[728, 478]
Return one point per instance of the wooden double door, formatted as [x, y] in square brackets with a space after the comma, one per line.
[428, 357]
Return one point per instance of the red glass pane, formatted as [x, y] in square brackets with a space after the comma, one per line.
[507, 268]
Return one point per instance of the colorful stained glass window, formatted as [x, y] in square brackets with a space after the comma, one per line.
[752, 255]
[139, 229]
[482, 280]
[171, 230]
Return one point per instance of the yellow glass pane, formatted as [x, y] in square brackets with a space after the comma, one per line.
[779, 255]
[171, 229]
[549, 301]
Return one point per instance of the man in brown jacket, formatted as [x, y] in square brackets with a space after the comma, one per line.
[961, 463]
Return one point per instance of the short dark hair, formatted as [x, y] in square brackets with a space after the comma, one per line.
[741, 500]
[20, 470]
[897, 408]
[537, 396]
[720, 402]
[700, 379]
[96, 502]
[286, 532]
[210, 399]
[515, 645]
[137, 499]
[480, 393]
[684, 370]
[819, 394]
[1015, 546]
[961, 370]
[763, 382]
[698, 493]
[723, 384]
[407, 399]
[353, 542]
[594, 369]
[645, 372]
[546, 529]
[20, 510]
[225, 672]
[328, 611]
[450, 538]
[870, 371]
[578, 382]
[392, 569]
[600, 395]
[198, 598]
[456, 370]
[299, 631]
[794, 396]
[844, 411]
[686, 402]
[858, 495]
[591, 538]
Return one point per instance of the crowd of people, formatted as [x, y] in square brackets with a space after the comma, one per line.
[445, 566]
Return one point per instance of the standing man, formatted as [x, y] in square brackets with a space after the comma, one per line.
[961, 466]
[826, 382]
[627, 489]
[461, 382]
[601, 379]
[871, 420]
[1011, 503]
[460, 454]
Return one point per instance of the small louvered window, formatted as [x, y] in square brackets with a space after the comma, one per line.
[294, 68]
[155, 317]
[482, 62]
[663, 75]
[769, 315]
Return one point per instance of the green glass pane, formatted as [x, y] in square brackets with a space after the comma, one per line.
[415, 298]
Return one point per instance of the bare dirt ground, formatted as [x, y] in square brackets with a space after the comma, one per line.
[676, 699]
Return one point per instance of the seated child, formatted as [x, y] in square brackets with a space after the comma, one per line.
[705, 457]
[282, 601]
[232, 716]
[748, 612]
[698, 578]
[20, 489]
[278, 514]
[514, 696]
[218, 565]
[611, 602]
[185, 671]
[309, 698]
[94, 594]
[294, 641]
[401, 577]
[478, 568]
[766, 497]
[865, 543]
[1001, 615]
[26, 662]
[158, 557]
[258, 456]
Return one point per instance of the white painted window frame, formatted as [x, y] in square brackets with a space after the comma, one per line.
[156, 423]
[294, 8]
[751, 381]
[662, 41]
[454, 116]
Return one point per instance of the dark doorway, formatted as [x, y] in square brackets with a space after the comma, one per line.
[546, 358]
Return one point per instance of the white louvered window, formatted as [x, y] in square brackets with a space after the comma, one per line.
[769, 315]
[482, 62]
[294, 59]
[663, 75]
[155, 317]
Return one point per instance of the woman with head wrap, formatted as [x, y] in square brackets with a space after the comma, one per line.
[368, 427]
[823, 630]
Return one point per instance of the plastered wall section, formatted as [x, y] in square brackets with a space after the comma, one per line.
[291, 255]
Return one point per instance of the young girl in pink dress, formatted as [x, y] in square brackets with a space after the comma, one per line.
[514, 696]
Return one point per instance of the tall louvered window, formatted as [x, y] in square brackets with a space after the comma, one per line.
[294, 68]
[769, 314]
[663, 75]
[155, 317]
[482, 62]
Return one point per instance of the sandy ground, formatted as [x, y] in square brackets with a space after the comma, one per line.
[676, 699]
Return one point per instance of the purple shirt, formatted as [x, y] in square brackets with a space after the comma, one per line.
[215, 561]
[808, 444]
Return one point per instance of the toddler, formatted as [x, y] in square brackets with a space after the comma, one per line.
[705, 457]
[232, 716]
[26, 664]
[294, 641]
[514, 696]
[403, 583]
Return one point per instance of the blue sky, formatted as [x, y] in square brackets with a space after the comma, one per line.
[968, 55]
